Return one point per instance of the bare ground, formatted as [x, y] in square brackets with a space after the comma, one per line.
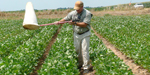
[136, 69]
[125, 12]
[102, 13]
[62, 14]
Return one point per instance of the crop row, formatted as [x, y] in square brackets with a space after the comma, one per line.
[10, 28]
[10, 25]
[105, 62]
[61, 59]
[25, 56]
[13, 42]
[130, 34]
[7, 24]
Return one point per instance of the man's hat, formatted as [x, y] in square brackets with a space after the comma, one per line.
[78, 5]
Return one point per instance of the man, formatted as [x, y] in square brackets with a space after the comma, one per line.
[80, 18]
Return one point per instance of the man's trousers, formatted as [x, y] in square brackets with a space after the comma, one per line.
[82, 43]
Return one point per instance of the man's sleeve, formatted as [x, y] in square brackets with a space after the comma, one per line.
[68, 17]
[87, 18]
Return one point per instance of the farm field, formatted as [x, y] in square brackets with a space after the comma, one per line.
[49, 50]
[20, 52]
[65, 62]
[130, 34]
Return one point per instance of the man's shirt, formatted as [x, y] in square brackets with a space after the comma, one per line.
[84, 16]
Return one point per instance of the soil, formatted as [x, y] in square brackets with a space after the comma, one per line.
[91, 72]
[136, 69]
[102, 13]
[64, 13]
[123, 12]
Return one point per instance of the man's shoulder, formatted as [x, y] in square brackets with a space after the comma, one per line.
[87, 12]
[72, 12]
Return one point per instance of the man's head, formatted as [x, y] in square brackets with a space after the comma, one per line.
[78, 6]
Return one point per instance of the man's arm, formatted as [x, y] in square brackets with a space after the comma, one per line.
[58, 22]
[85, 22]
[81, 24]
[62, 20]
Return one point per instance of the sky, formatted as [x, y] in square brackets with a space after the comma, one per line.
[14, 5]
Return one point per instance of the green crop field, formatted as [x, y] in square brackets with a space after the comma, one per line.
[130, 34]
[20, 50]
[62, 57]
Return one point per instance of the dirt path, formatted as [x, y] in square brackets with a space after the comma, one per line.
[137, 70]
[44, 56]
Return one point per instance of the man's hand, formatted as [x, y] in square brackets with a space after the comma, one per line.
[56, 22]
[72, 23]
